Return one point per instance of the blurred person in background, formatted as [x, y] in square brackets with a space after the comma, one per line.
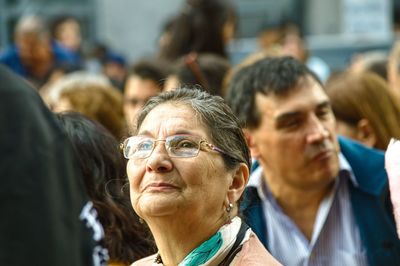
[375, 61]
[145, 79]
[101, 59]
[366, 109]
[165, 35]
[91, 95]
[114, 66]
[104, 173]
[202, 26]
[34, 56]
[66, 31]
[393, 67]
[289, 38]
[206, 70]
[273, 51]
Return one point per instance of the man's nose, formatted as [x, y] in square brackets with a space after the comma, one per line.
[317, 130]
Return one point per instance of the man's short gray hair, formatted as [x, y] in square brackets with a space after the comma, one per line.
[32, 24]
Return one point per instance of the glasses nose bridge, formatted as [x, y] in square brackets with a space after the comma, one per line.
[159, 140]
[166, 146]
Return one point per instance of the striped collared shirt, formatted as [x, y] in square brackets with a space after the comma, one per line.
[335, 239]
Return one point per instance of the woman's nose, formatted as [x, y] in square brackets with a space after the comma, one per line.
[159, 160]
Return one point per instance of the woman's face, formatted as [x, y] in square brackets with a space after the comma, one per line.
[190, 188]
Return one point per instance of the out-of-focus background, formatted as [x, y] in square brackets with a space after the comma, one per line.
[333, 30]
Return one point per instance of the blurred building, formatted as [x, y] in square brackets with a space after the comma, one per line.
[333, 30]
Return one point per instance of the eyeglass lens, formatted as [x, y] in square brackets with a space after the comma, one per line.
[176, 146]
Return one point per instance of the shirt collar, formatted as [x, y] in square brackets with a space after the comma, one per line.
[256, 178]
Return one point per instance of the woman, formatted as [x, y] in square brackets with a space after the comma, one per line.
[91, 95]
[103, 172]
[201, 26]
[188, 166]
[365, 108]
[206, 70]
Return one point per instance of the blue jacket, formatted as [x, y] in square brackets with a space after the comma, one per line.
[371, 205]
[61, 58]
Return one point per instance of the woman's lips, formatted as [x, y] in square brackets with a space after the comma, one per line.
[159, 187]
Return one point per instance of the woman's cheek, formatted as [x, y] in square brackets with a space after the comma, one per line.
[135, 175]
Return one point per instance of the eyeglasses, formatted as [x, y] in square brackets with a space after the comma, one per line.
[183, 146]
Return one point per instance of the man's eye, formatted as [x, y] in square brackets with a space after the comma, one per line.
[292, 123]
[323, 113]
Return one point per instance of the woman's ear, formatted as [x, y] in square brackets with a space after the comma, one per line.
[238, 184]
[365, 133]
[255, 153]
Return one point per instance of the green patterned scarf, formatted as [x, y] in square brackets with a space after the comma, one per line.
[204, 252]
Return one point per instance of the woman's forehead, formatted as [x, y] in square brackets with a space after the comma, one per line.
[172, 119]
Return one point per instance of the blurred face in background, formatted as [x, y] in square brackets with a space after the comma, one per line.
[35, 52]
[69, 34]
[137, 92]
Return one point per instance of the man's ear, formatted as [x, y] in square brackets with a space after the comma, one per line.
[365, 133]
[239, 182]
[255, 153]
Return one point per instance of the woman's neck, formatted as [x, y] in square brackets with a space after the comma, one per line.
[176, 239]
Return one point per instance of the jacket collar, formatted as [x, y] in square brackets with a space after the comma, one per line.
[367, 165]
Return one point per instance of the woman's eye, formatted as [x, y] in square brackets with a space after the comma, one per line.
[185, 144]
[144, 146]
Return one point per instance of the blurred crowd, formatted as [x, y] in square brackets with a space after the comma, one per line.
[97, 97]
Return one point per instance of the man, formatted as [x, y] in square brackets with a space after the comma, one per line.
[46, 216]
[145, 80]
[313, 200]
[34, 56]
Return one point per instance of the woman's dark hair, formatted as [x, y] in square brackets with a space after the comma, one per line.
[199, 27]
[104, 173]
[207, 70]
[366, 96]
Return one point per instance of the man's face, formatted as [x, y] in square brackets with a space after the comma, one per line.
[137, 92]
[296, 142]
[33, 50]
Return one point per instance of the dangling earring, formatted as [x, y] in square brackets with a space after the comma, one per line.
[141, 221]
[228, 210]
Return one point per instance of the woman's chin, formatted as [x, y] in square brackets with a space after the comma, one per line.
[156, 205]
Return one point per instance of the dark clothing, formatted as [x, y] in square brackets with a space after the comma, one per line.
[370, 204]
[42, 194]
